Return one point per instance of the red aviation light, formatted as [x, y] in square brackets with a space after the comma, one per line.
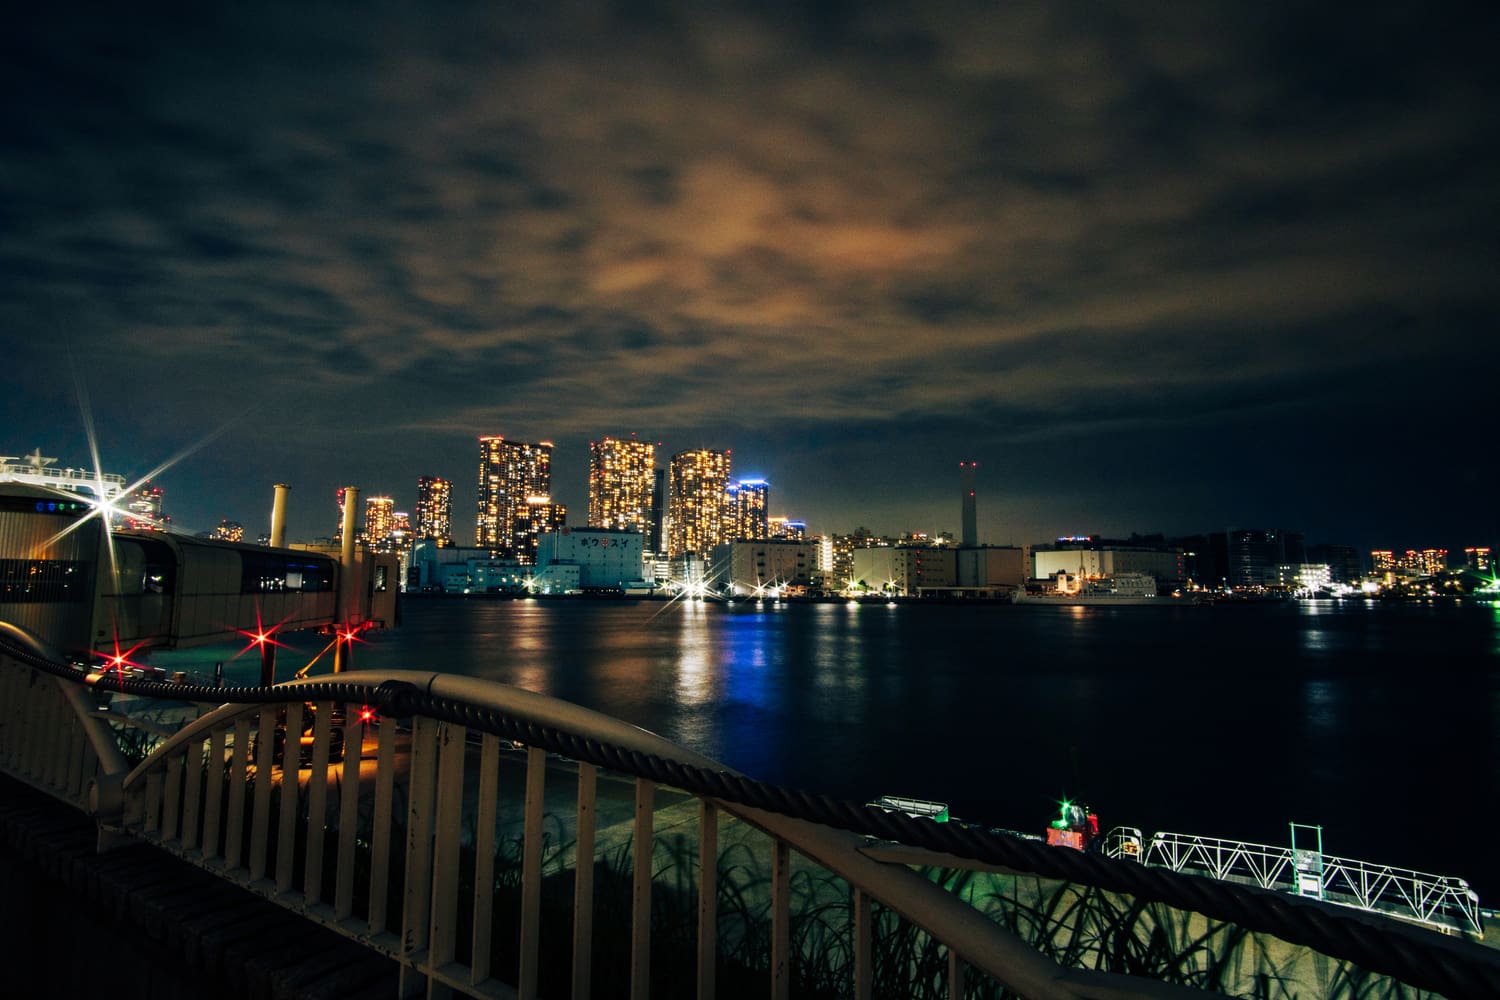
[261, 636]
[118, 662]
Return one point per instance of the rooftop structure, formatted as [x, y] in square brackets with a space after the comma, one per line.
[37, 470]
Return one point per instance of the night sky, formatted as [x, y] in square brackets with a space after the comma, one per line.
[1164, 267]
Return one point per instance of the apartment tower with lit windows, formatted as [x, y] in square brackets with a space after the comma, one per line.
[749, 516]
[697, 501]
[380, 521]
[536, 517]
[435, 510]
[622, 479]
[510, 472]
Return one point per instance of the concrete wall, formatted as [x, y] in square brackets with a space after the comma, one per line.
[992, 566]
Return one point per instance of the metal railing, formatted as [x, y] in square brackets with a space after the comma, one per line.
[113, 484]
[390, 834]
[1439, 901]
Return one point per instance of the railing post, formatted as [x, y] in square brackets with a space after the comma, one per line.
[708, 899]
[380, 835]
[441, 935]
[781, 919]
[265, 766]
[349, 781]
[864, 944]
[418, 896]
[153, 802]
[640, 910]
[171, 815]
[531, 872]
[484, 858]
[955, 974]
[583, 883]
[192, 795]
[317, 801]
[214, 804]
[286, 831]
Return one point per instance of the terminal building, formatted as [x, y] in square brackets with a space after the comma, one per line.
[597, 560]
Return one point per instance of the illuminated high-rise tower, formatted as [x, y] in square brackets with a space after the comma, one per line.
[435, 510]
[380, 521]
[536, 516]
[697, 501]
[622, 475]
[748, 514]
[509, 472]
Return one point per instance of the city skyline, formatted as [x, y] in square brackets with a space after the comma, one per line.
[1154, 269]
[732, 509]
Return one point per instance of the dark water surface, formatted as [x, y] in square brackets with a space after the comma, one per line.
[1381, 722]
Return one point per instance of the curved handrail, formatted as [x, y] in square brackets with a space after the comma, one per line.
[518, 703]
[985, 944]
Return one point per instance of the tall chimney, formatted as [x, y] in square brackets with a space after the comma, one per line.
[971, 520]
[346, 555]
[278, 517]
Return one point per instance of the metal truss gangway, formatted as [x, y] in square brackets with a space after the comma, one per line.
[1442, 902]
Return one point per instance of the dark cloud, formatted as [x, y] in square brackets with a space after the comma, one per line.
[853, 242]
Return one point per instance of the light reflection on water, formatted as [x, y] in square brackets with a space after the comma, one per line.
[696, 680]
[836, 673]
[1315, 640]
[1320, 705]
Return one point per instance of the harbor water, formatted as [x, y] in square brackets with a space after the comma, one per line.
[1378, 721]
